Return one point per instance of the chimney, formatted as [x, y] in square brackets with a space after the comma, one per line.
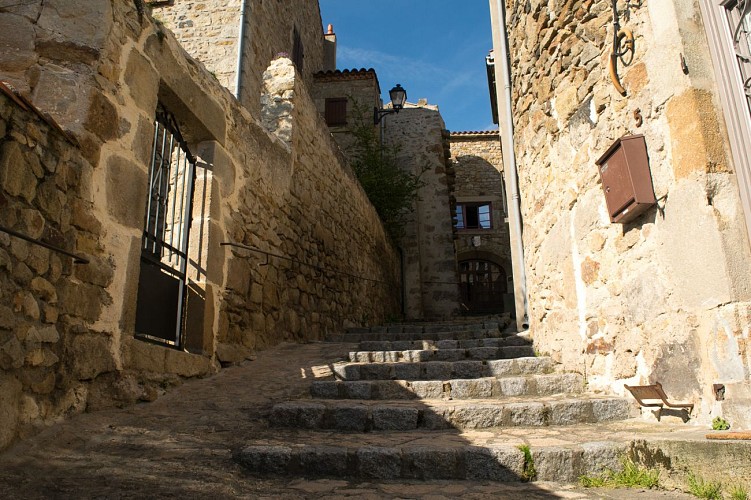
[329, 49]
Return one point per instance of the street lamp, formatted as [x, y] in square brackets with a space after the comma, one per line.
[398, 97]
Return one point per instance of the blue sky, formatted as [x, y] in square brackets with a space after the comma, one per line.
[435, 48]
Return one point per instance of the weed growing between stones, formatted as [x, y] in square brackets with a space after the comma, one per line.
[529, 473]
[720, 424]
[738, 492]
[700, 488]
[632, 476]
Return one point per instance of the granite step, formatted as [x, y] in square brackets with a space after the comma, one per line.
[501, 463]
[561, 454]
[485, 387]
[426, 344]
[425, 355]
[441, 370]
[366, 416]
[375, 336]
[433, 327]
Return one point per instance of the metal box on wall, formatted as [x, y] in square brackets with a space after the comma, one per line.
[626, 179]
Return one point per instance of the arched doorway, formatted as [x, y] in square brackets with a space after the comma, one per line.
[482, 284]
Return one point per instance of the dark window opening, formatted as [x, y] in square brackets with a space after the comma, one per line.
[473, 216]
[298, 52]
[336, 112]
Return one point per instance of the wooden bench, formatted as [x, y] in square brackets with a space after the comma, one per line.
[656, 394]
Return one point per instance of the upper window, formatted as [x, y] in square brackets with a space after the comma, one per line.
[336, 111]
[473, 216]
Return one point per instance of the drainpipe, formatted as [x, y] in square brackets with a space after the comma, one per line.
[240, 49]
[510, 171]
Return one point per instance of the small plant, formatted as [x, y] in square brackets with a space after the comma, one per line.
[738, 492]
[720, 424]
[632, 476]
[700, 488]
[529, 473]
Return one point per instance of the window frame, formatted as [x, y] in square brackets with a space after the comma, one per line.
[461, 215]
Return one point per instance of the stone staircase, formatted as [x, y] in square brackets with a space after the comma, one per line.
[457, 400]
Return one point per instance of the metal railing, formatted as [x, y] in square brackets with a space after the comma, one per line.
[77, 259]
[321, 270]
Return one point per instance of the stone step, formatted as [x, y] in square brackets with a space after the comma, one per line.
[502, 463]
[560, 454]
[367, 336]
[435, 327]
[425, 344]
[442, 370]
[364, 416]
[485, 387]
[424, 355]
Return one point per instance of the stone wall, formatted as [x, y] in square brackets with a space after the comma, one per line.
[478, 162]
[665, 297]
[277, 184]
[430, 279]
[210, 31]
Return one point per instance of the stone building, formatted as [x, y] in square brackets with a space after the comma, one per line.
[482, 243]
[663, 296]
[110, 129]
[237, 39]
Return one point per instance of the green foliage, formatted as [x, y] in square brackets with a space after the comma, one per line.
[390, 189]
[529, 473]
[738, 492]
[632, 476]
[700, 488]
[720, 424]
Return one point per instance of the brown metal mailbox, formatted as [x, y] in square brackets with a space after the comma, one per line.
[626, 179]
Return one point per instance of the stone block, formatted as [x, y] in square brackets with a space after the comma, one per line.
[126, 186]
[448, 344]
[469, 369]
[16, 43]
[232, 353]
[570, 412]
[376, 372]
[346, 371]
[81, 300]
[406, 371]
[503, 367]
[298, 415]
[526, 414]
[44, 290]
[394, 418]
[605, 410]
[350, 418]
[427, 389]
[142, 81]
[186, 364]
[90, 355]
[437, 370]
[427, 463]
[10, 395]
[472, 388]
[391, 389]
[515, 386]
[557, 464]
[265, 459]
[324, 461]
[445, 355]
[503, 464]
[11, 351]
[477, 416]
[17, 176]
[379, 463]
[356, 389]
[436, 418]
[482, 353]
[600, 456]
